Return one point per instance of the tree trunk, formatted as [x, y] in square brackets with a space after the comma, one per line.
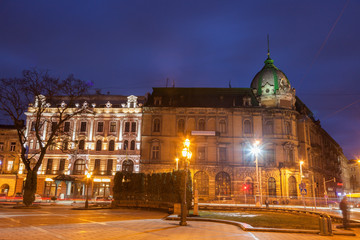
[30, 188]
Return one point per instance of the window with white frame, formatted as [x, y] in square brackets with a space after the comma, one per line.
[155, 150]
[10, 165]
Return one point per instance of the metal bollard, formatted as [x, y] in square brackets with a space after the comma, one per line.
[325, 226]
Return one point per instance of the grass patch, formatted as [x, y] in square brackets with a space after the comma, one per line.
[266, 219]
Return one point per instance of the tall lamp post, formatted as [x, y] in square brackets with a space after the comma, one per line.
[256, 150]
[186, 153]
[88, 176]
[301, 181]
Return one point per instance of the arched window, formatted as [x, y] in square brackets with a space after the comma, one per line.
[247, 127]
[201, 183]
[111, 145]
[288, 128]
[222, 185]
[5, 188]
[79, 167]
[132, 145]
[249, 187]
[181, 125]
[272, 187]
[201, 125]
[81, 145]
[292, 187]
[128, 166]
[98, 145]
[269, 127]
[222, 126]
[156, 126]
[126, 144]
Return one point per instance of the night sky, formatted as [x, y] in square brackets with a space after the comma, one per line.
[128, 47]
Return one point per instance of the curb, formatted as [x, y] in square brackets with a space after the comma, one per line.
[249, 228]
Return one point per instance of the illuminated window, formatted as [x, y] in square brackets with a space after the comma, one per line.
[201, 183]
[79, 167]
[10, 165]
[272, 187]
[292, 187]
[222, 185]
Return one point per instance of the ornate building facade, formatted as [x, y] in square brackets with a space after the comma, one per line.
[224, 123]
[102, 140]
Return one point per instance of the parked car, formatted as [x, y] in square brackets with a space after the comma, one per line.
[18, 197]
[103, 200]
[3, 197]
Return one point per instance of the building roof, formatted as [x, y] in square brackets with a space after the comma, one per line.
[200, 97]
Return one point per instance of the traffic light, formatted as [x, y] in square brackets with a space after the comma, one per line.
[244, 187]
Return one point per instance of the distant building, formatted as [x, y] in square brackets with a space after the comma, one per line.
[223, 124]
[9, 160]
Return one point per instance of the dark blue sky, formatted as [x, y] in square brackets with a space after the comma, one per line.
[128, 47]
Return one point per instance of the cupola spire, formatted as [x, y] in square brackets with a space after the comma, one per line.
[268, 45]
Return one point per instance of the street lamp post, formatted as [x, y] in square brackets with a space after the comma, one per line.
[88, 176]
[186, 153]
[177, 163]
[301, 178]
[256, 150]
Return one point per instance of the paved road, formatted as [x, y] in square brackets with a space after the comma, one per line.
[60, 222]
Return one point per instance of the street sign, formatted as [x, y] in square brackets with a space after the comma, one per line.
[303, 191]
[302, 186]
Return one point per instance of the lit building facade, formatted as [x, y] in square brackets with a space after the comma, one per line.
[224, 123]
[102, 140]
[9, 160]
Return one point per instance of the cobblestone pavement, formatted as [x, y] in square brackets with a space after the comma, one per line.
[58, 223]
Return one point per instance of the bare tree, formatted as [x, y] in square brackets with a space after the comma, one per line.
[50, 102]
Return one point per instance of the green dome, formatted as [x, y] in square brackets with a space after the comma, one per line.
[270, 79]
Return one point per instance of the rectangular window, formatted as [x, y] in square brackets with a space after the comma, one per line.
[109, 166]
[62, 165]
[12, 147]
[100, 127]
[201, 153]
[97, 166]
[49, 189]
[49, 166]
[1, 146]
[113, 127]
[67, 127]
[155, 152]
[10, 165]
[83, 127]
[32, 128]
[127, 127]
[133, 127]
[269, 157]
[53, 126]
[222, 154]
